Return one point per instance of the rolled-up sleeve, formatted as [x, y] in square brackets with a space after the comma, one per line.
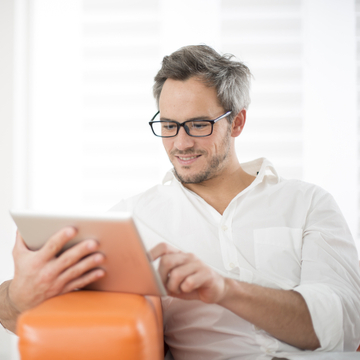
[330, 278]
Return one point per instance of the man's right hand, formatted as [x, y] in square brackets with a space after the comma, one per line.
[40, 275]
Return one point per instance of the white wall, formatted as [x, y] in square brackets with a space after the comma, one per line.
[330, 135]
[7, 230]
[56, 99]
[6, 132]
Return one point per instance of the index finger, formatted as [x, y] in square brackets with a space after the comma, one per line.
[56, 242]
[162, 249]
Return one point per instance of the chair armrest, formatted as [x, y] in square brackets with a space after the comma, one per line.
[92, 325]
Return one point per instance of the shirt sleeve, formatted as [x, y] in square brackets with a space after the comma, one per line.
[330, 277]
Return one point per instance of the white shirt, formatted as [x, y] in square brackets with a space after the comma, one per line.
[282, 234]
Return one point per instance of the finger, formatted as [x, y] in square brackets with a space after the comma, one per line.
[73, 255]
[162, 249]
[169, 261]
[180, 274]
[195, 281]
[19, 244]
[56, 242]
[82, 267]
[84, 280]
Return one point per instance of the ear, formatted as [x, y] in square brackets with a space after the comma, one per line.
[238, 123]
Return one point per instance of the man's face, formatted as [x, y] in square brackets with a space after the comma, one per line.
[195, 159]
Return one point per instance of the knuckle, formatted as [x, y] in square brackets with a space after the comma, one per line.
[59, 239]
[189, 282]
[83, 266]
[45, 277]
[36, 263]
[78, 251]
[163, 247]
[53, 290]
[53, 246]
[66, 289]
[175, 275]
[75, 271]
[166, 262]
[65, 261]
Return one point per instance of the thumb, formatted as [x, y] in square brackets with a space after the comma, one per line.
[19, 243]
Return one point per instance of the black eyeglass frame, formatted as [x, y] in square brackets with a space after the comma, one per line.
[179, 125]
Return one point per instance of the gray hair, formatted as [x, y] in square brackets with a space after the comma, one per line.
[230, 78]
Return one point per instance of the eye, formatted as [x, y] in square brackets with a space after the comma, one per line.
[199, 125]
[167, 126]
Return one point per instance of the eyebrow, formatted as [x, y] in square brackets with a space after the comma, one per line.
[192, 119]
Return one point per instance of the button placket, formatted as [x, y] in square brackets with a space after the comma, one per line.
[226, 239]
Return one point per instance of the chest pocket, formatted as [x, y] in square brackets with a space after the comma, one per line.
[278, 254]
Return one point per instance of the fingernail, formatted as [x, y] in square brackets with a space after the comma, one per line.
[98, 258]
[92, 244]
[100, 273]
[70, 231]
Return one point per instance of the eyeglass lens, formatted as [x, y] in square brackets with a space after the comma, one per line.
[194, 128]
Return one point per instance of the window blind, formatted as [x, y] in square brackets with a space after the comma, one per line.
[121, 57]
[266, 35]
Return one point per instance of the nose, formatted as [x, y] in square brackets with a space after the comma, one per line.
[182, 140]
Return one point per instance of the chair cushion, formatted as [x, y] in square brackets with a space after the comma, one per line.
[92, 325]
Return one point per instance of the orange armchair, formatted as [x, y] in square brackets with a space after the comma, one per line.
[93, 325]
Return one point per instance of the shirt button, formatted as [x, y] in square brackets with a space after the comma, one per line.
[232, 265]
[224, 227]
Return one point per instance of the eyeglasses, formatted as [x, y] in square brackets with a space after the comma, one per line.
[196, 128]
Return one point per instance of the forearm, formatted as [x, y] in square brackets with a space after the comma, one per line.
[8, 314]
[282, 313]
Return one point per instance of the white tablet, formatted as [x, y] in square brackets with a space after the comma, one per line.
[127, 265]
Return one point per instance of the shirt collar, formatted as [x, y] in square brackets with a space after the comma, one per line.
[259, 168]
[169, 176]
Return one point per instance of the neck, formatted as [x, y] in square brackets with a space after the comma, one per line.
[221, 189]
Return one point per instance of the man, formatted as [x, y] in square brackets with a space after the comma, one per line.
[254, 265]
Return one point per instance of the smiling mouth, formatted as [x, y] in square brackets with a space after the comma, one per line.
[186, 160]
[188, 157]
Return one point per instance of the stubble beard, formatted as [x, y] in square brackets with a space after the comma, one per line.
[216, 164]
